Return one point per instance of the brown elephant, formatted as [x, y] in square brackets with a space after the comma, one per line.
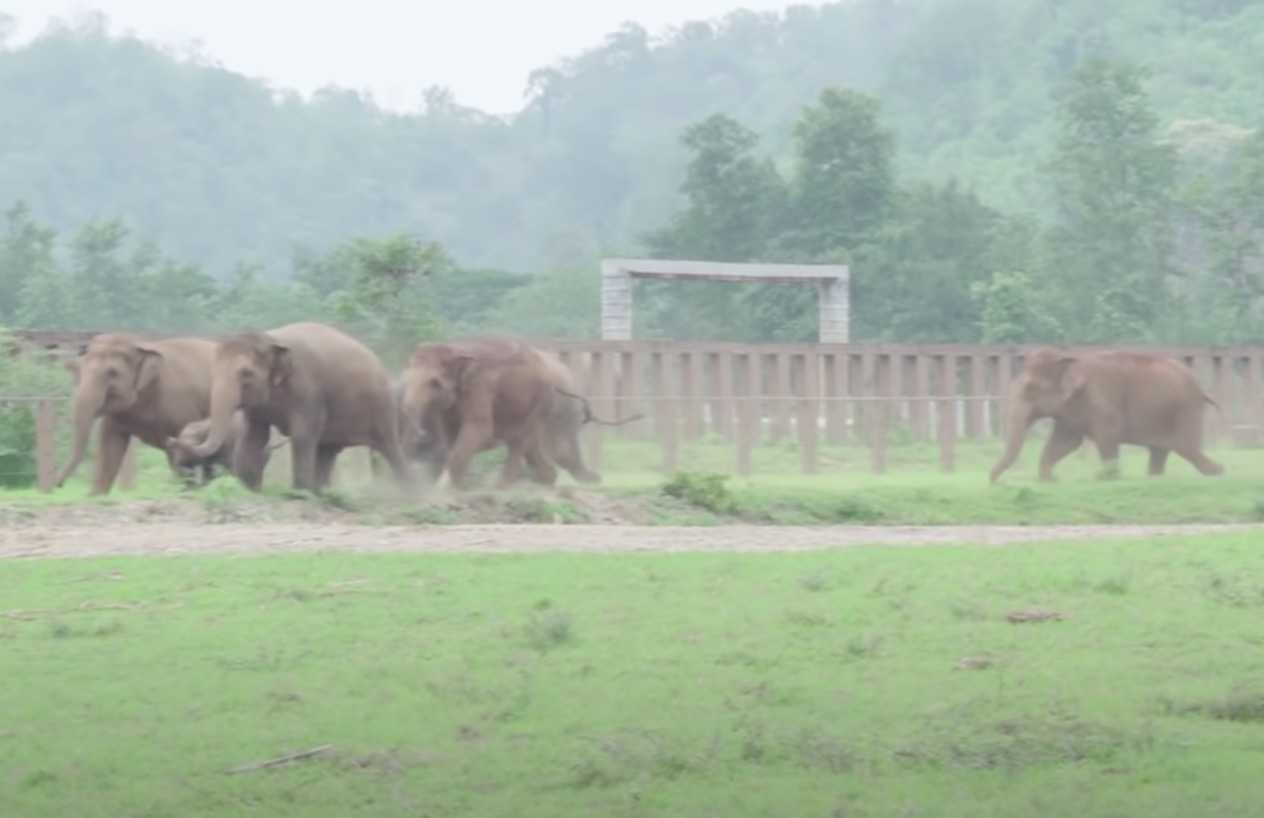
[1111, 398]
[464, 397]
[138, 388]
[321, 388]
[194, 470]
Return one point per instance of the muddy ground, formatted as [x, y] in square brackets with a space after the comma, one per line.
[191, 527]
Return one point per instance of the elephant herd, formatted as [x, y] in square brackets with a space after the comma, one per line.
[214, 404]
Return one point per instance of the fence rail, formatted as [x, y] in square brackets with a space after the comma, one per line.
[748, 394]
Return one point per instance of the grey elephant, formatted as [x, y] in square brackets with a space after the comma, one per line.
[318, 386]
[1111, 398]
[193, 470]
[137, 388]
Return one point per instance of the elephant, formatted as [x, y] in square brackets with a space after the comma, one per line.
[464, 397]
[1111, 398]
[195, 470]
[318, 386]
[138, 388]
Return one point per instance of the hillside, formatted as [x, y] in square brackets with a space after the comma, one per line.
[218, 168]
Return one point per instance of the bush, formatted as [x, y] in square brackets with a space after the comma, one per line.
[702, 489]
[17, 447]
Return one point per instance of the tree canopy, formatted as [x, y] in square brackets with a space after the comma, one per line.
[990, 169]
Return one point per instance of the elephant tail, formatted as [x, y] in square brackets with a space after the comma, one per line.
[1212, 401]
[272, 448]
[589, 417]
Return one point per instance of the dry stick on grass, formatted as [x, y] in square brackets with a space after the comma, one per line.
[84, 607]
[279, 760]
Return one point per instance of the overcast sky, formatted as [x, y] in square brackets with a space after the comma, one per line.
[481, 49]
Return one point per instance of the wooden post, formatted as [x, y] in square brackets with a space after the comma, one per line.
[747, 406]
[1254, 414]
[637, 393]
[782, 404]
[864, 409]
[127, 471]
[601, 388]
[692, 378]
[809, 411]
[722, 402]
[835, 391]
[881, 409]
[947, 372]
[921, 399]
[666, 397]
[1221, 384]
[45, 445]
[1004, 380]
[978, 389]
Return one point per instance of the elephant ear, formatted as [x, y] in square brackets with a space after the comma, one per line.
[147, 368]
[1071, 378]
[282, 364]
[460, 367]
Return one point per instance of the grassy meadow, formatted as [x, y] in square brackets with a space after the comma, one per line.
[866, 682]
[913, 490]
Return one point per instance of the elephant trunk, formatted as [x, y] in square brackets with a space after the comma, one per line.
[224, 401]
[89, 399]
[1018, 420]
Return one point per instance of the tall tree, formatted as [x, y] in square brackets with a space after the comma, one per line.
[1112, 182]
[844, 176]
[735, 199]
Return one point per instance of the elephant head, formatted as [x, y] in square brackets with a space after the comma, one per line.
[247, 372]
[180, 450]
[111, 374]
[1049, 382]
[428, 393]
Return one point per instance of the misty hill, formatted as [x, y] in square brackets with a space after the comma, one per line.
[218, 168]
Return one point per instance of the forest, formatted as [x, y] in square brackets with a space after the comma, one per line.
[997, 170]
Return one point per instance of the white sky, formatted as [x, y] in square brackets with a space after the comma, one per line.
[481, 49]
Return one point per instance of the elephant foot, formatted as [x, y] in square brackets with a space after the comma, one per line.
[1109, 472]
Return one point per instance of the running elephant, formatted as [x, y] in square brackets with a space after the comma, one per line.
[321, 388]
[138, 388]
[1111, 398]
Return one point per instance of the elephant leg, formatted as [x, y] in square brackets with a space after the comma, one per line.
[303, 462]
[570, 456]
[1158, 460]
[111, 448]
[250, 455]
[325, 457]
[1108, 450]
[1061, 443]
[1200, 461]
[511, 472]
[387, 444]
[473, 438]
[542, 471]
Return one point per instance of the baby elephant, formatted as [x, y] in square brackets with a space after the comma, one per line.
[194, 470]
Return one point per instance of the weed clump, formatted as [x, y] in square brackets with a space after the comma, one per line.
[548, 630]
[705, 490]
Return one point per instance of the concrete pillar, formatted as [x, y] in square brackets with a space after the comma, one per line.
[616, 303]
[833, 303]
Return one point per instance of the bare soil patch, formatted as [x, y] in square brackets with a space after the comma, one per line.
[183, 526]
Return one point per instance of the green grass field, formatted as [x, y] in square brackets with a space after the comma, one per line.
[912, 491]
[815, 684]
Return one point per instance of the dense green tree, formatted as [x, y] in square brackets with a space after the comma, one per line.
[1113, 183]
[735, 199]
[844, 178]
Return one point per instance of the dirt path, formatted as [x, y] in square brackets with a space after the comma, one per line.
[74, 539]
